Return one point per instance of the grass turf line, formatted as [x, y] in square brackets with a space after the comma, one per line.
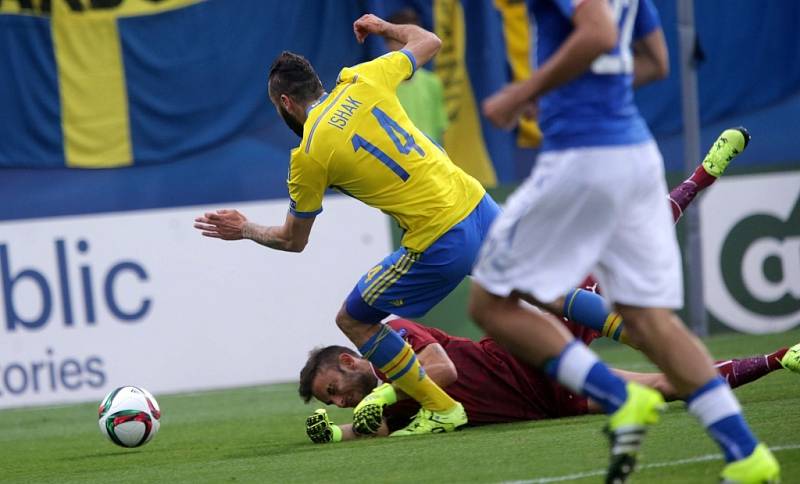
[256, 435]
[656, 465]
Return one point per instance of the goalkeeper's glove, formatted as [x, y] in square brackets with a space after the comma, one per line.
[368, 414]
[320, 428]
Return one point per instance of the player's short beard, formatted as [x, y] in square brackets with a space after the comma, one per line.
[365, 382]
[291, 122]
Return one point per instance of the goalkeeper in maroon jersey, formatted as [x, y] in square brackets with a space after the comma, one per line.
[493, 385]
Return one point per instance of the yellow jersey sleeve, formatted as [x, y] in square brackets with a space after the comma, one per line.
[388, 70]
[307, 182]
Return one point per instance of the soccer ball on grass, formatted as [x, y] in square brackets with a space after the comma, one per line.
[129, 416]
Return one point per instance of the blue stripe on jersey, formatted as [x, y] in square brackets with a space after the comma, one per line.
[359, 142]
[325, 111]
[305, 214]
[413, 60]
[293, 211]
[317, 102]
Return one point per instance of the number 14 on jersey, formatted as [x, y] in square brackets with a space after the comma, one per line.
[402, 139]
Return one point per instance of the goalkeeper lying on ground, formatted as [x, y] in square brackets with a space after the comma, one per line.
[493, 385]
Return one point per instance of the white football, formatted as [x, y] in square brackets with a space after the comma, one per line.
[129, 416]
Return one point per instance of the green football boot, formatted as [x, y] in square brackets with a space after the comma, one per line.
[627, 427]
[729, 144]
[791, 360]
[760, 467]
[428, 422]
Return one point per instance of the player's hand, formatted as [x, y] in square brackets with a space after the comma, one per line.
[368, 414]
[320, 428]
[505, 107]
[530, 110]
[369, 24]
[222, 224]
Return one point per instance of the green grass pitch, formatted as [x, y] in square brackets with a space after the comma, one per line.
[256, 435]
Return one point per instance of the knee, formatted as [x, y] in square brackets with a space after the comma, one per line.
[358, 332]
[345, 322]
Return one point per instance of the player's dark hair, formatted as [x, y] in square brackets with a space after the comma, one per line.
[320, 359]
[293, 75]
[405, 16]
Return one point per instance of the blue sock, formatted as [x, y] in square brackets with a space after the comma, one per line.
[579, 369]
[382, 347]
[719, 412]
[586, 308]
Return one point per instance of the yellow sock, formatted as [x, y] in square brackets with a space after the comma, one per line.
[614, 328]
[406, 373]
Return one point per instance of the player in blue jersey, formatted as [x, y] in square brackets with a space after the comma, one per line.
[598, 187]
[358, 139]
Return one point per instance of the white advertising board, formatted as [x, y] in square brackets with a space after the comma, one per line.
[92, 302]
[750, 228]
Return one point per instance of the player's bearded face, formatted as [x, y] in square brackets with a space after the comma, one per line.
[290, 121]
[362, 382]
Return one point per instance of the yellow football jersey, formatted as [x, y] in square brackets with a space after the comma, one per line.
[359, 140]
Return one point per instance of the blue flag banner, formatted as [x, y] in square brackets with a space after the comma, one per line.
[132, 104]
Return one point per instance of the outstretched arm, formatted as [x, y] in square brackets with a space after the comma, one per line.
[321, 429]
[349, 434]
[292, 236]
[420, 42]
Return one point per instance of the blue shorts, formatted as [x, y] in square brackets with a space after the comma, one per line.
[409, 284]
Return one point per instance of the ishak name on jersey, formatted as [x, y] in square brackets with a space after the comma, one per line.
[344, 112]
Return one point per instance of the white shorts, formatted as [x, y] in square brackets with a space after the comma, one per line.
[599, 210]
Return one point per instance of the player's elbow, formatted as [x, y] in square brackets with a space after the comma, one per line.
[449, 375]
[661, 68]
[425, 48]
[296, 245]
[443, 373]
[656, 48]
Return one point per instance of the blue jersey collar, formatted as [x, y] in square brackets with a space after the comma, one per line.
[317, 102]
